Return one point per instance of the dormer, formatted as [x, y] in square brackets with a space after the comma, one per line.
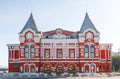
[88, 31]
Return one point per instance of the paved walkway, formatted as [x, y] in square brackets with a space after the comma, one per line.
[108, 76]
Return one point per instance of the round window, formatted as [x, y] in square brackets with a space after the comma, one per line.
[29, 35]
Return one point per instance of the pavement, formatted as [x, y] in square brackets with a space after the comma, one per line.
[107, 76]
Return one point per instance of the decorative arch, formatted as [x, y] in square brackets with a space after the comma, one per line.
[92, 67]
[47, 63]
[59, 68]
[59, 64]
[32, 67]
[71, 64]
[28, 30]
[47, 68]
[91, 30]
[86, 68]
[72, 68]
[26, 67]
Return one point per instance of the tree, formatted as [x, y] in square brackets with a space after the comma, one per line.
[116, 63]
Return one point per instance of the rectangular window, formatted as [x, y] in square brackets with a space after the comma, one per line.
[59, 53]
[72, 53]
[47, 53]
[16, 65]
[16, 54]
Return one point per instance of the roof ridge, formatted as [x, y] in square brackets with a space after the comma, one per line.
[30, 24]
[87, 23]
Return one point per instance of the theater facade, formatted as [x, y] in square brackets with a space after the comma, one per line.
[60, 51]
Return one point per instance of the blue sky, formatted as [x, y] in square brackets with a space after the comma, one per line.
[52, 14]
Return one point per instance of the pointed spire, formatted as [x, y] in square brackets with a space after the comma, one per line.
[30, 24]
[87, 23]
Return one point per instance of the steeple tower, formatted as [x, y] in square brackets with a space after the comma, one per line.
[30, 25]
[87, 24]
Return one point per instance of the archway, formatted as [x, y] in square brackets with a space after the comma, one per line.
[47, 69]
[86, 68]
[92, 67]
[26, 68]
[71, 68]
[59, 69]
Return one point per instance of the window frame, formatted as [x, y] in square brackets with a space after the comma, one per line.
[86, 52]
[45, 53]
[71, 52]
[29, 35]
[32, 51]
[61, 53]
[26, 52]
[92, 51]
[89, 35]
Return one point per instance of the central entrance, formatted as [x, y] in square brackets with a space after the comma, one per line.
[87, 69]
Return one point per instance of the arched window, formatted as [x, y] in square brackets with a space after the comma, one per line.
[32, 51]
[29, 35]
[92, 51]
[71, 69]
[59, 69]
[86, 68]
[86, 50]
[92, 67]
[26, 51]
[26, 68]
[89, 35]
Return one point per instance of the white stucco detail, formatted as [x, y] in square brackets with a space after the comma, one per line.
[21, 39]
[81, 39]
[96, 39]
[36, 39]
[63, 44]
[58, 41]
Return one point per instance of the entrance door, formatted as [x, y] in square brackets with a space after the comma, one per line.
[92, 68]
[32, 68]
[26, 68]
[86, 69]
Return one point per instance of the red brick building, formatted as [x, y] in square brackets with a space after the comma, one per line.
[60, 51]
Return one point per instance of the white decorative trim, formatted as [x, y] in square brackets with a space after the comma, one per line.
[26, 31]
[21, 39]
[89, 29]
[37, 39]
